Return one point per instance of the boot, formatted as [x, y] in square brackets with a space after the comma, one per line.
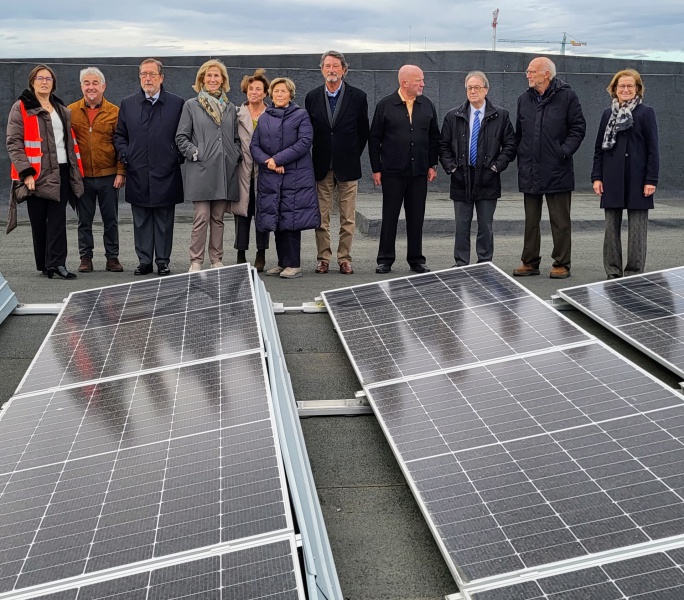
[260, 260]
[241, 259]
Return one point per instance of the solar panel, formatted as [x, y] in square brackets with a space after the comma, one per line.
[404, 327]
[145, 436]
[645, 310]
[658, 576]
[264, 571]
[126, 329]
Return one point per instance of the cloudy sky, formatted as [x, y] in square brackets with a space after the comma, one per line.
[74, 28]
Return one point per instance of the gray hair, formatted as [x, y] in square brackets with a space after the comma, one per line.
[91, 71]
[549, 66]
[147, 61]
[479, 75]
[338, 55]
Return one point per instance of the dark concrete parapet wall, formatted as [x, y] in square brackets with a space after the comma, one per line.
[375, 73]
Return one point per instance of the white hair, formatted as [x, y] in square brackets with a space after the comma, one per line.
[91, 71]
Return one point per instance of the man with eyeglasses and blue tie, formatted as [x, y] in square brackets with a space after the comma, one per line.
[549, 129]
[145, 139]
[477, 143]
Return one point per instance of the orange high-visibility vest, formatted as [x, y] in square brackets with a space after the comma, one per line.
[32, 145]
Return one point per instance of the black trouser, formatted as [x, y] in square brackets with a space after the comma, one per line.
[242, 225]
[102, 190]
[48, 225]
[153, 233]
[558, 205]
[411, 192]
[289, 248]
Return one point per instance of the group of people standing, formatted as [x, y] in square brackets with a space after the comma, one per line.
[279, 165]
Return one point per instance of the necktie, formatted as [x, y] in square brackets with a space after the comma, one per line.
[473, 138]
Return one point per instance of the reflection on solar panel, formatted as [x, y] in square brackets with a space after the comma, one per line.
[554, 452]
[172, 455]
[645, 310]
[652, 577]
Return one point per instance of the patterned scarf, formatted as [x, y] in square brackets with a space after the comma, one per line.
[215, 103]
[620, 120]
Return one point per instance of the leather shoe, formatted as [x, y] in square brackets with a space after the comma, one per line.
[525, 270]
[382, 268]
[86, 265]
[346, 268]
[322, 267]
[143, 269]
[114, 265]
[421, 268]
[60, 271]
[559, 272]
[163, 270]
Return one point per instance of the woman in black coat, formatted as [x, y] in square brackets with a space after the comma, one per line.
[625, 172]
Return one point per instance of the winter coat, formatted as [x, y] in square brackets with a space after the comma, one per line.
[247, 169]
[288, 201]
[548, 133]
[495, 147]
[399, 147]
[338, 145]
[629, 165]
[145, 139]
[96, 139]
[214, 175]
[49, 181]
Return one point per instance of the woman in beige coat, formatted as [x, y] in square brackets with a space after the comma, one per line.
[46, 177]
[256, 88]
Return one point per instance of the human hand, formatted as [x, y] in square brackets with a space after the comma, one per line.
[270, 163]
[30, 183]
[598, 187]
[377, 178]
[280, 170]
[649, 190]
[432, 174]
[119, 182]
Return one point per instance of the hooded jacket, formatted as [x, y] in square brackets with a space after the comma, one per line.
[495, 147]
[285, 201]
[548, 133]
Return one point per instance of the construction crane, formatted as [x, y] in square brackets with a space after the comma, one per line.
[563, 43]
[495, 20]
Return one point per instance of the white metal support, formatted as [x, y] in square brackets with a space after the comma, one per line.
[38, 309]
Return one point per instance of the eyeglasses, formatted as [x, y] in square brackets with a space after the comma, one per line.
[628, 87]
[152, 74]
[475, 88]
[40, 79]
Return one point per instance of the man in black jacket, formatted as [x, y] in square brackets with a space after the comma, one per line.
[550, 128]
[403, 147]
[145, 140]
[477, 143]
[339, 115]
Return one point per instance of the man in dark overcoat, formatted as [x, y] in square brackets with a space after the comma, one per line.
[549, 129]
[339, 115]
[145, 140]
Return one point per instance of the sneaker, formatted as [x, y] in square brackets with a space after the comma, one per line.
[86, 265]
[525, 270]
[195, 266]
[217, 265]
[559, 272]
[275, 271]
[291, 273]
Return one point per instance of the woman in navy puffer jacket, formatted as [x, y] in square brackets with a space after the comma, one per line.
[287, 202]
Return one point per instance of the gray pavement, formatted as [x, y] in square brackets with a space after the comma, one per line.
[381, 544]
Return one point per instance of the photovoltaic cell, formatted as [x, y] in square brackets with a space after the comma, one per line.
[130, 328]
[141, 468]
[646, 310]
[657, 576]
[265, 571]
[413, 326]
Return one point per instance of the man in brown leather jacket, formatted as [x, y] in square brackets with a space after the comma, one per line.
[94, 121]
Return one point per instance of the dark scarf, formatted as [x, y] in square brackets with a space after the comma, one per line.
[621, 119]
[215, 103]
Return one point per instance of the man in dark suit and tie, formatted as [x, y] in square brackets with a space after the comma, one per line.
[339, 114]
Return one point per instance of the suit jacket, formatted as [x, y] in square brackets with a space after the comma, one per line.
[338, 145]
[399, 147]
